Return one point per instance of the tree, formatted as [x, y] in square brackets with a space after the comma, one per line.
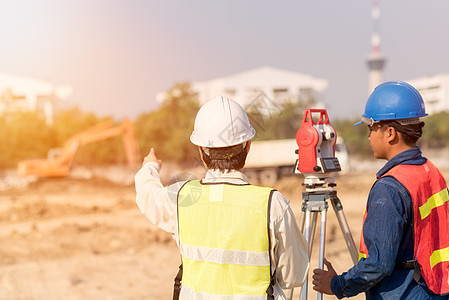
[436, 130]
[276, 121]
[23, 135]
[168, 128]
[356, 137]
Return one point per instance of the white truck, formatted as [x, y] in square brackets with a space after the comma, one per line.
[268, 161]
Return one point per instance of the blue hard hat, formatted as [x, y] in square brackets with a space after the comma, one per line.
[393, 100]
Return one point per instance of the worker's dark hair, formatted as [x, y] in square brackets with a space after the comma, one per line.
[226, 158]
[410, 133]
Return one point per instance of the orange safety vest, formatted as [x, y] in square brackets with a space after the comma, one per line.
[430, 198]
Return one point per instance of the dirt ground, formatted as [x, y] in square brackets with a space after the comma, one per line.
[86, 239]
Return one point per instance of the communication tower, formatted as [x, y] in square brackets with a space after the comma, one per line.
[375, 60]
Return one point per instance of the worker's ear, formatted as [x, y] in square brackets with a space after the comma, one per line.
[392, 134]
[202, 157]
[248, 146]
[201, 153]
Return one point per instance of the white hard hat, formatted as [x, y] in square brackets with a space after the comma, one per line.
[221, 122]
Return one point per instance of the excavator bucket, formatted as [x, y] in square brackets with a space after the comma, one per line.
[42, 168]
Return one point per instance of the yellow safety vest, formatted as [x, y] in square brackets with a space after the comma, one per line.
[224, 241]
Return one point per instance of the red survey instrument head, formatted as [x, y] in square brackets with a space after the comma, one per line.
[316, 144]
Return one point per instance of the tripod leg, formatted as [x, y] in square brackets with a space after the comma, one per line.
[322, 245]
[302, 217]
[302, 221]
[338, 208]
[322, 238]
[307, 234]
[289, 295]
[313, 228]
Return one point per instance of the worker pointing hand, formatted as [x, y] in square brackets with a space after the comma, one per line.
[322, 279]
[216, 219]
[151, 157]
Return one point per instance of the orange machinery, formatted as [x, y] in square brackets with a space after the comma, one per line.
[58, 164]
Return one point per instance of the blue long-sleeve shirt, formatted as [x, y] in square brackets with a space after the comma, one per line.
[389, 236]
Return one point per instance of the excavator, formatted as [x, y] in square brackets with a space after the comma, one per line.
[59, 160]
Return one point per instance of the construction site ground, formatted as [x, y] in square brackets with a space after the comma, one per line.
[85, 238]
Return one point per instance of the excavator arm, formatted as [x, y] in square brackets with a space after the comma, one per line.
[60, 165]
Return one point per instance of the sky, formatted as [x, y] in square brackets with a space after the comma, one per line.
[118, 54]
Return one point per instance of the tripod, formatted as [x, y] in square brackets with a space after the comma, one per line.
[315, 200]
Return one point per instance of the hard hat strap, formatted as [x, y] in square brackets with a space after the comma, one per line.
[411, 131]
[205, 150]
[371, 121]
[409, 121]
[368, 121]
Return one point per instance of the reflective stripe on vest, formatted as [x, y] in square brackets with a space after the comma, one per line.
[224, 241]
[429, 194]
[363, 251]
[227, 256]
[434, 201]
[189, 293]
[439, 256]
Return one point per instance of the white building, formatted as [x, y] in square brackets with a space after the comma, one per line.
[19, 93]
[434, 90]
[273, 85]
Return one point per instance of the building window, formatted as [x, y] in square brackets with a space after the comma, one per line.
[280, 95]
[228, 92]
[432, 87]
[253, 92]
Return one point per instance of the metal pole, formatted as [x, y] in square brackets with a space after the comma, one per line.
[302, 217]
[307, 237]
[338, 208]
[312, 237]
[322, 245]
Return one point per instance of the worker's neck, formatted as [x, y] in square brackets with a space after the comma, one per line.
[399, 148]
